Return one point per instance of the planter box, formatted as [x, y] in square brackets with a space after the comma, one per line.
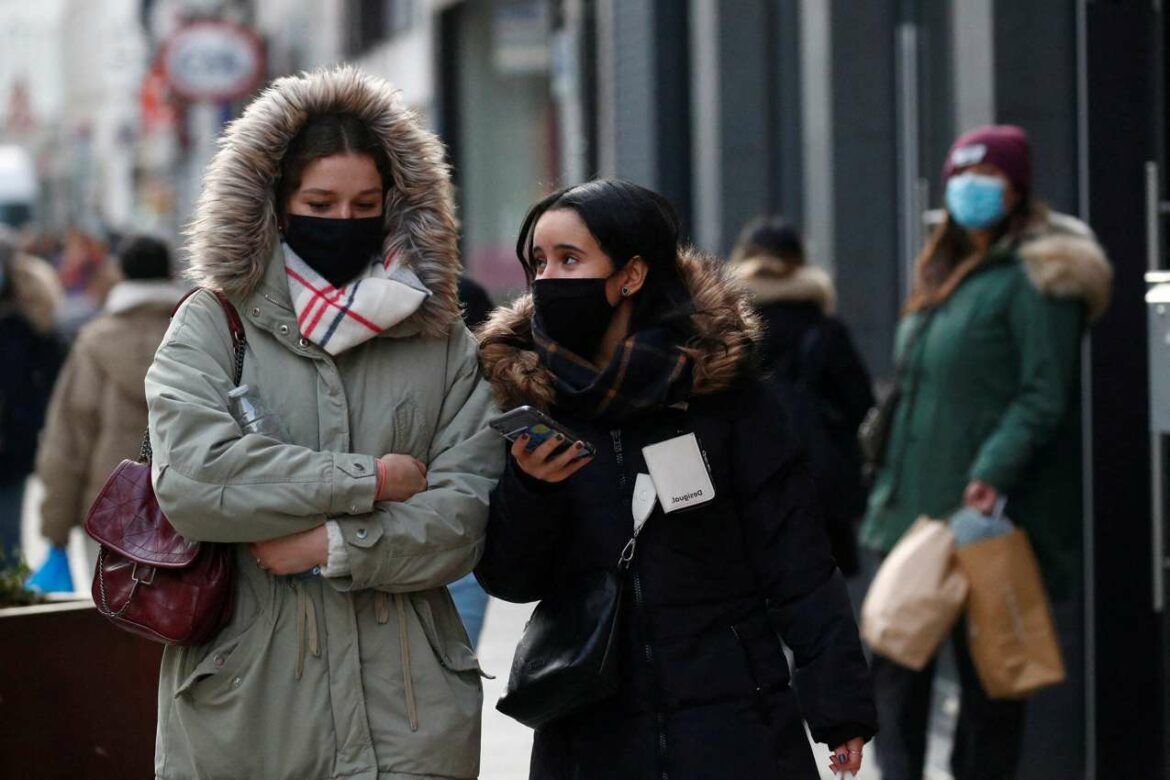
[79, 696]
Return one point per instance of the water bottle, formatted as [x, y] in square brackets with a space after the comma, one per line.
[253, 414]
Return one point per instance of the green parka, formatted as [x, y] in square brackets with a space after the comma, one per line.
[369, 675]
[991, 392]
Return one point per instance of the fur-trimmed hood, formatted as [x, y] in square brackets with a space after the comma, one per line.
[771, 279]
[726, 326]
[234, 230]
[1064, 260]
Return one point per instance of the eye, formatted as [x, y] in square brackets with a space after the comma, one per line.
[367, 206]
[570, 260]
[319, 206]
[539, 264]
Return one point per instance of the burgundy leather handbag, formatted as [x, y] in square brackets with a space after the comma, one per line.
[149, 580]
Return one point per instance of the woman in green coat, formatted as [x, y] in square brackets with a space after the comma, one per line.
[990, 350]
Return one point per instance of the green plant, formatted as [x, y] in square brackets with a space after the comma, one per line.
[12, 579]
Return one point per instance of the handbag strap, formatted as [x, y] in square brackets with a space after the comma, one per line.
[903, 363]
[239, 343]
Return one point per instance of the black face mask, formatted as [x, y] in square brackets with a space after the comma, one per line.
[338, 249]
[573, 312]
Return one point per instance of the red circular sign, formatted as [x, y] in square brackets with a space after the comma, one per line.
[213, 61]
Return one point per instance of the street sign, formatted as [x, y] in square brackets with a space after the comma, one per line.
[213, 61]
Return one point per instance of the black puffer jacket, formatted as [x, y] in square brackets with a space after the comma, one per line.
[812, 360]
[705, 685]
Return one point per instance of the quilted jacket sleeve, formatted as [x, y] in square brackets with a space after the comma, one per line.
[805, 592]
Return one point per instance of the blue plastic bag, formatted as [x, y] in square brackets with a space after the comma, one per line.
[969, 525]
[53, 576]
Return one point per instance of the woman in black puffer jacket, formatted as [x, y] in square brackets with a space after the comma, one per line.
[629, 341]
[809, 355]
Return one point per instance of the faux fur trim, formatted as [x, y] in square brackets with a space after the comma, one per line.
[36, 291]
[234, 230]
[1064, 260]
[771, 280]
[727, 329]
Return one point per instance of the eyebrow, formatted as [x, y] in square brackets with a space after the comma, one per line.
[569, 247]
[320, 191]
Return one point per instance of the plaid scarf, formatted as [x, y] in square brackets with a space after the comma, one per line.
[338, 318]
[648, 370]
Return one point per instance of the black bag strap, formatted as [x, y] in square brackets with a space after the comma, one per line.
[239, 343]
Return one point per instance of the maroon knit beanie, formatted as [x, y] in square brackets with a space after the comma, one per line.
[1004, 146]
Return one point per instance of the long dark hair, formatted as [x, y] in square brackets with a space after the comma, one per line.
[947, 258]
[324, 136]
[628, 221]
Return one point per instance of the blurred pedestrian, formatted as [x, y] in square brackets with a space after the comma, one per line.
[88, 275]
[629, 340]
[808, 352]
[29, 298]
[470, 598]
[98, 410]
[991, 344]
[326, 218]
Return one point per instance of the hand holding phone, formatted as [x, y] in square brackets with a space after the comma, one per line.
[543, 448]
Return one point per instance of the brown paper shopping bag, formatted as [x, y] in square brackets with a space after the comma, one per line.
[1009, 621]
[916, 597]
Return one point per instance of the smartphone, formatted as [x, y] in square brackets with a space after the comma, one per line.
[539, 427]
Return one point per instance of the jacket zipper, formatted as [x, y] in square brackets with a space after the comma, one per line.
[660, 718]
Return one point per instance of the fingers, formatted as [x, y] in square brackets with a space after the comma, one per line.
[541, 464]
[847, 757]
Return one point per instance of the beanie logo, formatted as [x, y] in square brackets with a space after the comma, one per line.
[971, 154]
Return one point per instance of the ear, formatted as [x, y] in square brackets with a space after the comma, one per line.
[634, 274]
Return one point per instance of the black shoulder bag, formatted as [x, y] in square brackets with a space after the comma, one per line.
[567, 658]
[874, 433]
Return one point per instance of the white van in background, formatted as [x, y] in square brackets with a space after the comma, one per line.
[18, 187]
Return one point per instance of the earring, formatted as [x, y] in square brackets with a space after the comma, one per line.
[625, 292]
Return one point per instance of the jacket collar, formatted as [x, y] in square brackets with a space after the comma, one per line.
[772, 280]
[133, 293]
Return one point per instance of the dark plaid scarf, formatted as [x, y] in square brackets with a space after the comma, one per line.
[648, 370]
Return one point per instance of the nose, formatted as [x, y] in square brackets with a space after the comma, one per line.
[346, 211]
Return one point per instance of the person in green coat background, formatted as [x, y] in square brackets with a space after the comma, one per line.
[989, 407]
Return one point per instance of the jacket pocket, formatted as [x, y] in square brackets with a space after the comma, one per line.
[763, 656]
[225, 667]
[454, 650]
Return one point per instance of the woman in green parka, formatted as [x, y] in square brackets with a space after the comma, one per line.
[990, 348]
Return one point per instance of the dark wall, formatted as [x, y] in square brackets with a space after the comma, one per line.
[746, 104]
[1036, 88]
[1121, 132]
[865, 208]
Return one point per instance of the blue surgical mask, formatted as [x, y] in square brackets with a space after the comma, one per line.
[975, 201]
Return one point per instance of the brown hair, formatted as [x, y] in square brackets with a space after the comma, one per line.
[324, 136]
[948, 257]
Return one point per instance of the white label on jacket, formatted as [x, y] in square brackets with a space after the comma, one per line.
[679, 472]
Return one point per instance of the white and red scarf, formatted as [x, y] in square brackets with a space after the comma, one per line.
[338, 318]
